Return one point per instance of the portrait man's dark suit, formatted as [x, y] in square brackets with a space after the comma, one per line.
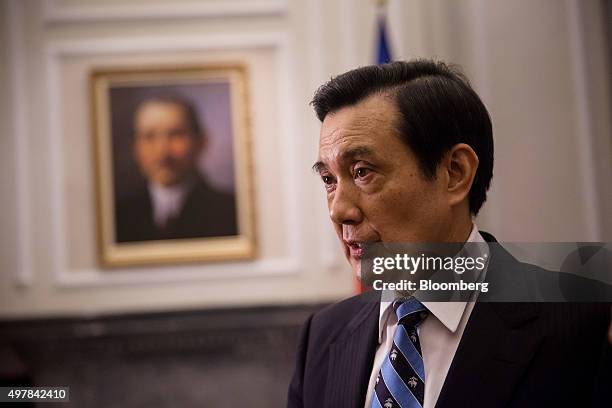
[205, 212]
[510, 355]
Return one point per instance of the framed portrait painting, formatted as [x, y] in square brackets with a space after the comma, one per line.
[172, 164]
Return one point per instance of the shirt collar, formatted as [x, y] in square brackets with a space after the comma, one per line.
[167, 200]
[165, 193]
[448, 313]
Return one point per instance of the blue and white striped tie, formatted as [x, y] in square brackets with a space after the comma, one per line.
[401, 380]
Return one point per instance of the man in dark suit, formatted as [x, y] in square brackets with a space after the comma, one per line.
[176, 202]
[406, 155]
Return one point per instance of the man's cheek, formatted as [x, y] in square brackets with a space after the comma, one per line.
[338, 229]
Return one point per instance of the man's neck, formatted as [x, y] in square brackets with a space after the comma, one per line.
[167, 201]
[462, 227]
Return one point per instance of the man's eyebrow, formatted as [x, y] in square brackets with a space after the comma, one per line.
[359, 151]
[347, 155]
[318, 167]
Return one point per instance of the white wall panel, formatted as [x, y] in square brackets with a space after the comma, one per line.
[537, 66]
[61, 11]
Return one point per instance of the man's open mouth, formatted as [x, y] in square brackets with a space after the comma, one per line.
[356, 248]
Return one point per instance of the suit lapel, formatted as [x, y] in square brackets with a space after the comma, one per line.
[351, 358]
[497, 345]
[492, 355]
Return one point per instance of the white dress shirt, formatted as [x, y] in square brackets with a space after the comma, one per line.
[167, 202]
[439, 334]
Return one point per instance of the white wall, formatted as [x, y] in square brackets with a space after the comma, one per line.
[540, 67]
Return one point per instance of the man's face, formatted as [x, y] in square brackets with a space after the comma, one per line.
[165, 147]
[375, 189]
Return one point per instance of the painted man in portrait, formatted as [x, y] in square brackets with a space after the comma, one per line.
[174, 201]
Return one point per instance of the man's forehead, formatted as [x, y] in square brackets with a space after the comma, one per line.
[349, 151]
[375, 113]
[346, 142]
[357, 130]
[154, 105]
[345, 147]
[354, 121]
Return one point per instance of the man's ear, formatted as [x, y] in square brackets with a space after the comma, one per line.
[461, 163]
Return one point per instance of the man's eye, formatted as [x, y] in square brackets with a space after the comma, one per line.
[361, 172]
[179, 133]
[327, 179]
[145, 136]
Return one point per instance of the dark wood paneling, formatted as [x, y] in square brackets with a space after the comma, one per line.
[225, 358]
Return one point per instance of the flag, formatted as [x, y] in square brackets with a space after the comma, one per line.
[383, 52]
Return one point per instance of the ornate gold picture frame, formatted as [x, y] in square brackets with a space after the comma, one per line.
[173, 169]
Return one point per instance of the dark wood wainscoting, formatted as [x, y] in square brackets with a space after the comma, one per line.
[239, 357]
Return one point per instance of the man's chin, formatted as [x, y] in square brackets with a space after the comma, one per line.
[166, 180]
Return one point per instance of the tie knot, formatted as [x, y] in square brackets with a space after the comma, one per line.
[409, 312]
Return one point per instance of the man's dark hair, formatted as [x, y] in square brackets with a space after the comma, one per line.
[191, 116]
[438, 109]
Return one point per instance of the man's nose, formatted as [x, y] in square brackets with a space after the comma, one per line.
[162, 143]
[343, 208]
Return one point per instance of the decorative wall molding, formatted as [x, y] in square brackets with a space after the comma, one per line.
[291, 263]
[349, 34]
[584, 130]
[55, 12]
[17, 67]
[319, 69]
[481, 79]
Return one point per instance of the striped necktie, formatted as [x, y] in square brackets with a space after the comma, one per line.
[401, 380]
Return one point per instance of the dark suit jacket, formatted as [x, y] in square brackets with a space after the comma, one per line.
[205, 213]
[510, 354]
